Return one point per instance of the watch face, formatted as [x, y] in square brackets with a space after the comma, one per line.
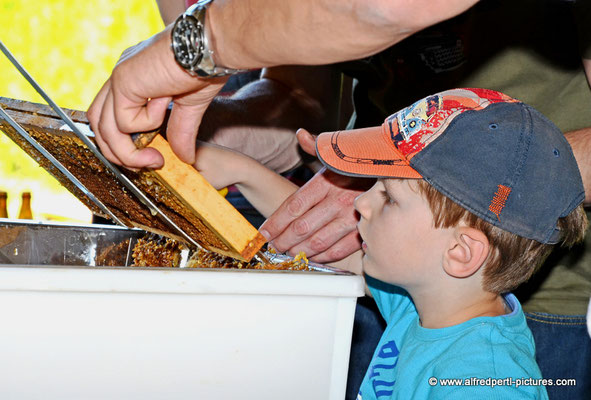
[184, 42]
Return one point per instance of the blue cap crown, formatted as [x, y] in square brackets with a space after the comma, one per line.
[493, 155]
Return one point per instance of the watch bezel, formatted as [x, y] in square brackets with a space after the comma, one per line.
[193, 42]
[202, 63]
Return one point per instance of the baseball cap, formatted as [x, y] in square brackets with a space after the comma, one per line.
[497, 157]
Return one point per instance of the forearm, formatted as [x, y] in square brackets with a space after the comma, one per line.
[275, 148]
[243, 34]
[170, 9]
[263, 188]
[260, 119]
[587, 67]
[261, 104]
[580, 141]
[285, 97]
[262, 33]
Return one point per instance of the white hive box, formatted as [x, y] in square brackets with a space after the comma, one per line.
[79, 332]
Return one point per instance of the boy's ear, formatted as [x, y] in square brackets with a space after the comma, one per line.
[467, 253]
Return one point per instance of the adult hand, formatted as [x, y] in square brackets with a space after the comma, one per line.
[136, 97]
[319, 218]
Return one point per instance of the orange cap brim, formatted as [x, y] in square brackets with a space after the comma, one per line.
[367, 152]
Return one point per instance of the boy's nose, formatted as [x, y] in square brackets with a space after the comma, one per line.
[361, 205]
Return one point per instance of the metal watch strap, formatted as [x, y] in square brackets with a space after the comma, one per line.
[207, 66]
[204, 66]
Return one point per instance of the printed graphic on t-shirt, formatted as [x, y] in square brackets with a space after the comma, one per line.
[381, 371]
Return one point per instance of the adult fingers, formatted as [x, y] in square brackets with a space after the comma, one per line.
[115, 145]
[143, 83]
[320, 223]
[94, 116]
[94, 111]
[181, 131]
[323, 239]
[325, 204]
[104, 148]
[119, 145]
[131, 116]
[344, 247]
[185, 118]
[295, 206]
[307, 141]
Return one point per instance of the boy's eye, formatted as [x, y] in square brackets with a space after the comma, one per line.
[387, 197]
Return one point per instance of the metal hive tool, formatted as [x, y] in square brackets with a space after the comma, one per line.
[180, 217]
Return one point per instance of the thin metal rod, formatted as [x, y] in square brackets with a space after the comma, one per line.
[260, 255]
[122, 178]
[21, 131]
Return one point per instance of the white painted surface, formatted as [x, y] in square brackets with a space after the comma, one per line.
[123, 333]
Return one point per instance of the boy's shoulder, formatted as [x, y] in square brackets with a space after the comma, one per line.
[494, 348]
[494, 338]
[498, 349]
[491, 355]
[493, 343]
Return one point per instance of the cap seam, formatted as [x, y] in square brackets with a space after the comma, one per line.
[520, 156]
[354, 175]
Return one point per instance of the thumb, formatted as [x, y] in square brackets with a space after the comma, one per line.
[307, 141]
[185, 118]
[181, 130]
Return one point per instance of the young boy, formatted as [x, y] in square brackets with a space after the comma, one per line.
[473, 190]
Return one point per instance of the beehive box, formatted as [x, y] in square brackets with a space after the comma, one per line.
[91, 332]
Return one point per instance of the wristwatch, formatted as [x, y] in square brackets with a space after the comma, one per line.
[190, 45]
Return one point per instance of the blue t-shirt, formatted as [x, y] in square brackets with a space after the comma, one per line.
[485, 357]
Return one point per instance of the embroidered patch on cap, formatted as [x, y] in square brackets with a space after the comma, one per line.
[499, 200]
[482, 149]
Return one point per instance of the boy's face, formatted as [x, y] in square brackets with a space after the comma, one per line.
[401, 245]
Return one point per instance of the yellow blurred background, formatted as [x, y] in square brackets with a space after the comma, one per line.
[70, 48]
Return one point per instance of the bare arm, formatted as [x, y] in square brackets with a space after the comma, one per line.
[260, 119]
[222, 167]
[319, 219]
[587, 66]
[244, 34]
[580, 141]
[170, 9]
[317, 31]
[263, 188]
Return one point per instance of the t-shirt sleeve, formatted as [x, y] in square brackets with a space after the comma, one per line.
[498, 368]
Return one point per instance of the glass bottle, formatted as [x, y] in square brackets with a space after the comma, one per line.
[3, 208]
[25, 211]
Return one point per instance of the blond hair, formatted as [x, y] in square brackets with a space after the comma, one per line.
[512, 259]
